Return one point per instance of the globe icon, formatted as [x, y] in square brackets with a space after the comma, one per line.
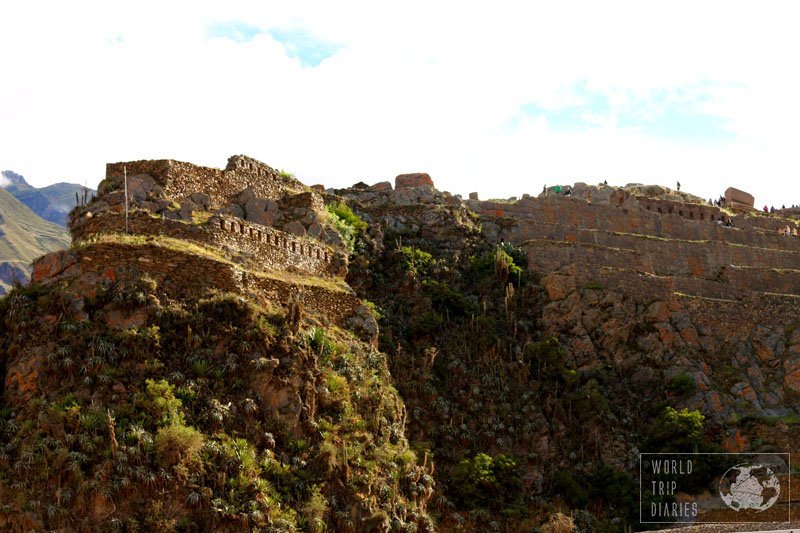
[749, 486]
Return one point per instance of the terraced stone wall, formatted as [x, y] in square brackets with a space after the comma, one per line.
[268, 248]
[185, 275]
[180, 180]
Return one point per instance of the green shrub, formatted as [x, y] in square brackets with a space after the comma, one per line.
[347, 223]
[414, 261]
[485, 481]
[565, 486]
[682, 384]
[676, 431]
[160, 402]
[548, 361]
[345, 213]
[229, 307]
[615, 491]
[178, 444]
[506, 262]
[320, 343]
[426, 323]
[445, 298]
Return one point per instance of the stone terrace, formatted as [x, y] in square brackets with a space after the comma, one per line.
[680, 243]
[182, 274]
[267, 248]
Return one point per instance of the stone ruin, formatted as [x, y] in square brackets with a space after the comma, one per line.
[739, 200]
[259, 216]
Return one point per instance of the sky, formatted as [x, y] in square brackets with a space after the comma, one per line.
[499, 98]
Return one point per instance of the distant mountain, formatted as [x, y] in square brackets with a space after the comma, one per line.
[24, 236]
[53, 203]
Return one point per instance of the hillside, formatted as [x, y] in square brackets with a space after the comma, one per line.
[53, 203]
[252, 354]
[24, 236]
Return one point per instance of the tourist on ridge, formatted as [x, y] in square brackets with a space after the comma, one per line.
[794, 232]
[766, 209]
[679, 186]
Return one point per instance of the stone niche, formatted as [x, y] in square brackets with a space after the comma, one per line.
[736, 199]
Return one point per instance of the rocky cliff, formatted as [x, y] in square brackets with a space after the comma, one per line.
[248, 353]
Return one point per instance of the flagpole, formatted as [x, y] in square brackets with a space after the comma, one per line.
[125, 172]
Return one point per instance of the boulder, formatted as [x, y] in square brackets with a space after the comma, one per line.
[295, 228]
[51, 265]
[254, 209]
[187, 208]
[203, 201]
[245, 196]
[382, 186]
[315, 229]
[419, 179]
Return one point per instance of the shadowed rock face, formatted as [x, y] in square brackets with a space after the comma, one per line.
[405, 181]
[738, 199]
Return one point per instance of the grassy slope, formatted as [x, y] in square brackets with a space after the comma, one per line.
[52, 203]
[25, 235]
[62, 195]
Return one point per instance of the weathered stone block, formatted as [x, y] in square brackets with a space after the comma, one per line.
[419, 179]
[382, 186]
[738, 199]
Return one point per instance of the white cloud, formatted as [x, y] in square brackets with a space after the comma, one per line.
[414, 86]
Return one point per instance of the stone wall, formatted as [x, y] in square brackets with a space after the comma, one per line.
[547, 255]
[520, 221]
[736, 320]
[179, 180]
[268, 248]
[738, 268]
[185, 275]
[736, 296]
[683, 210]
[679, 257]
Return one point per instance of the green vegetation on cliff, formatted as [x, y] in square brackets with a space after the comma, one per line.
[209, 414]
